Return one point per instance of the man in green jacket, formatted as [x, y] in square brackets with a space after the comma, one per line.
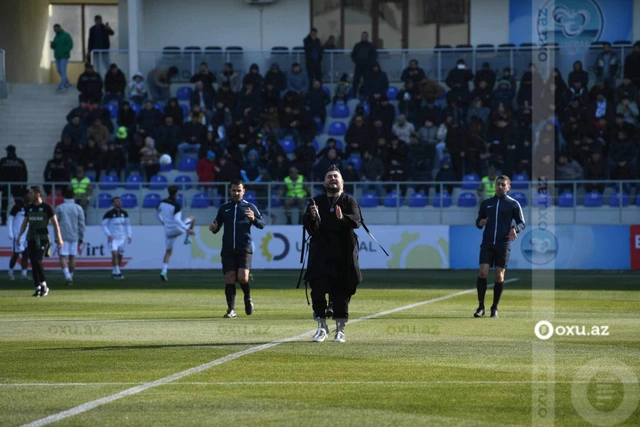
[62, 45]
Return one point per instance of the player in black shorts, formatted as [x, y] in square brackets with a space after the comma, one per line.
[497, 215]
[237, 216]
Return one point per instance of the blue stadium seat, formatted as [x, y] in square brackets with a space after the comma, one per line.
[104, 200]
[184, 93]
[187, 164]
[340, 111]
[319, 126]
[129, 200]
[442, 199]
[337, 129]
[288, 145]
[369, 200]
[327, 90]
[392, 93]
[339, 144]
[200, 200]
[467, 200]
[519, 181]
[183, 182]
[521, 198]
[470, 181]
[185, 110]
[541, 199]
[316, 146]
[566, 200]
[151, 200]
[159, 107]
[133, 181]
[356, 160]
[136, 107]
[158, 182]
[167, 168]
[616, 198]
[113, 109]
[418, 200]
[393, 199]
[180, 199]
[638, 200]
[593, 199]
[109, 182]
[251, 197]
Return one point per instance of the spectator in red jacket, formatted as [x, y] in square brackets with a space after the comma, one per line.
[206, 170]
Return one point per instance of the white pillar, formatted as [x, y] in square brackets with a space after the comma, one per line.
[133, 7]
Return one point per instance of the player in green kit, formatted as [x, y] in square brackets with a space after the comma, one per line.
[37, 217]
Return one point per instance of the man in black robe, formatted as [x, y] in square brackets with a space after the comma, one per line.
[333, 266]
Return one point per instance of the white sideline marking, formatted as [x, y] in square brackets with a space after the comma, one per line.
[171, 378]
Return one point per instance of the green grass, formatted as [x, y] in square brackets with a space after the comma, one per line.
[432, 364]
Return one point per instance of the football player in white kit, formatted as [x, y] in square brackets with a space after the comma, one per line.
[72, 224]
[14, 222]
[170, 215]
[117, 226]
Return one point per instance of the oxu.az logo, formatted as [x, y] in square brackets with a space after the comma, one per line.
[570, 21]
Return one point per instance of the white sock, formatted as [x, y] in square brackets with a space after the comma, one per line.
[24, 272]
[43, 284]
[66, 273]
[165, 266]
[10, 271]
[113, 271]
[117, 270]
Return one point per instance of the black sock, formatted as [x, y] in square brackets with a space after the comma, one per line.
[246, 290]
[12, 264]
[230, 292]
[481, 285]
[497, 293]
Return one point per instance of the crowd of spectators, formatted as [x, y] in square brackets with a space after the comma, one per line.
[476, 120]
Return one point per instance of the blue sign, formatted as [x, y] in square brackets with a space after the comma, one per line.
[570, 21]
[563, 247]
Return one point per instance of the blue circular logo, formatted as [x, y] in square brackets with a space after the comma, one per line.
[570, 21]
[539, 247]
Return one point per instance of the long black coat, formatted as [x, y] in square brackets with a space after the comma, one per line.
[333, 250]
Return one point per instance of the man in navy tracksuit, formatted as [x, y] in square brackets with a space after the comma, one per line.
[237, 216]
[496, 215]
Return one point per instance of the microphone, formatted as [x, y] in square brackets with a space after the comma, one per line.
[312, 202]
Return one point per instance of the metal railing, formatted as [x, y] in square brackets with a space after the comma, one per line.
[435, 62]
[392, 202]
[3, 75]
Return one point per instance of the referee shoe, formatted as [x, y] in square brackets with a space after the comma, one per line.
[248, 306]
[479, 312]
[231, 314]
[494, 313]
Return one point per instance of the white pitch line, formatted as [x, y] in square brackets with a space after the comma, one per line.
[305, 383]
[171, 378]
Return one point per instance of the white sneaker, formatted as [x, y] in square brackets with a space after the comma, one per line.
[12, 277]
[44, 290]
[339, 336]
[321, 333]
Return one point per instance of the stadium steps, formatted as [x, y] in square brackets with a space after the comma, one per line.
[32, 119]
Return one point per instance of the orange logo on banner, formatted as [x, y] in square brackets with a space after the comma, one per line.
[634, 246]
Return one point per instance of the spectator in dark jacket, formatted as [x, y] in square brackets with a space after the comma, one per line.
[202, 97]
[150, 117]
[91, 158]
[127, 117]
[313, 55]
[90, 84]
[632, 65]
[76, 131]
[71, 151]
[114, 85]
[317, 100]
[578, 75]
[376, 83]
[485, 74]
[277, 78]
[253, 77]
[413, 72]
[363, 55]
[99, 39]
[595, 170]
[57, 170]
[206, 77]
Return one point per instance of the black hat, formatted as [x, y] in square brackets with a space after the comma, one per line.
[11, 148]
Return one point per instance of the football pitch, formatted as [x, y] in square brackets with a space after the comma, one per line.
[143, 352]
